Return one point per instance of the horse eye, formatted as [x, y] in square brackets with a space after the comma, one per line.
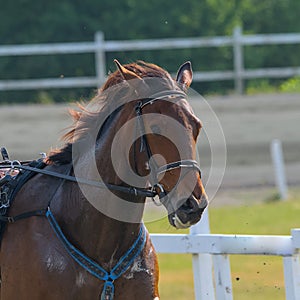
[155, 129]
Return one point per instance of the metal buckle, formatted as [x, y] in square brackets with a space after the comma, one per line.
[10, 219]
[14, 163]
[138, 107]
[108, 290]
[4, 202]
[43, 155]
[154, 190]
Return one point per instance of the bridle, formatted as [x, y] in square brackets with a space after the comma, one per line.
[156, 188]
[154, 169]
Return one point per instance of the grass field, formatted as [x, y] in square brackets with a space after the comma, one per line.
[259, 277]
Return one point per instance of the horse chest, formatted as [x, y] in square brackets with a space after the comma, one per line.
[55, 263]
[138, 266]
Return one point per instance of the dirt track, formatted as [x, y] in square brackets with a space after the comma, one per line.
[249, 124]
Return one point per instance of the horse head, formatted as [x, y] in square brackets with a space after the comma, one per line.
[146, 133]
[164, 149]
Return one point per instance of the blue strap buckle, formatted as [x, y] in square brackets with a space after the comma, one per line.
[108, 291]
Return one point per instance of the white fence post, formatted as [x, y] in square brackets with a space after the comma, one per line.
[238, 60]
[292, 269]
[278, 162]
[205, 265]
[100, 63]
[222, 274]
[202, 265]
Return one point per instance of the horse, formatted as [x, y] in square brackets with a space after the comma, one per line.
[75, 228]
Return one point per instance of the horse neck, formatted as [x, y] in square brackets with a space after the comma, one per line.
[101, 237]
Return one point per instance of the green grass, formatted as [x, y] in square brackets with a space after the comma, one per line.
[265, 86]
[252, 276]
[291, 85]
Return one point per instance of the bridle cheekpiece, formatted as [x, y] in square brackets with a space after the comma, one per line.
[155, 170]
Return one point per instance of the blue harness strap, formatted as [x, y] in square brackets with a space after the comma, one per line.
[94, 268]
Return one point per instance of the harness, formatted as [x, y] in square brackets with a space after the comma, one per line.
[94, 268]
[10, 186]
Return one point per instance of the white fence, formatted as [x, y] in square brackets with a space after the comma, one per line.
[100, 47]
[279, 168]
[210, 256]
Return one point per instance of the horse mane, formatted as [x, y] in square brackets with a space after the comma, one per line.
[85, 120]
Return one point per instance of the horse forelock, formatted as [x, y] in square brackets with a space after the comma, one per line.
[114, 89]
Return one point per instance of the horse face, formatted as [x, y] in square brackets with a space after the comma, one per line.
[172, 138]
[168, 143]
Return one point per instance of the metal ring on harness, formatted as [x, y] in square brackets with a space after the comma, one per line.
[154, 190]
[14, 163]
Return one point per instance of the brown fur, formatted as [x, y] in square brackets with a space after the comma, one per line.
[34, 263]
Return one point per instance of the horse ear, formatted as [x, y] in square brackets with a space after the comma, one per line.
[185, 75]
[126, 74]
[139, 85]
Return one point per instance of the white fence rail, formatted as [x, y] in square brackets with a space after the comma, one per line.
[100, 47]
[219, 246]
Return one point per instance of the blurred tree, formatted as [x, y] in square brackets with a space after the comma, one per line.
[32, 21]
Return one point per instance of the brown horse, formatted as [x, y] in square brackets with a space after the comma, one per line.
[92, 242]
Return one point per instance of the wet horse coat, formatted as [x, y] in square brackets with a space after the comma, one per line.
[35, 264]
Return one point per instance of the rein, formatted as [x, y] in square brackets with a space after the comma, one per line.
[129, 190]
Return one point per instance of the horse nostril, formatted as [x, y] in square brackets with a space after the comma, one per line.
[203, 202]
[190, 211]
[196, 204]
[192, 204]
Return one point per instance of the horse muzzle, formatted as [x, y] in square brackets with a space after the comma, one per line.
[189, 213]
